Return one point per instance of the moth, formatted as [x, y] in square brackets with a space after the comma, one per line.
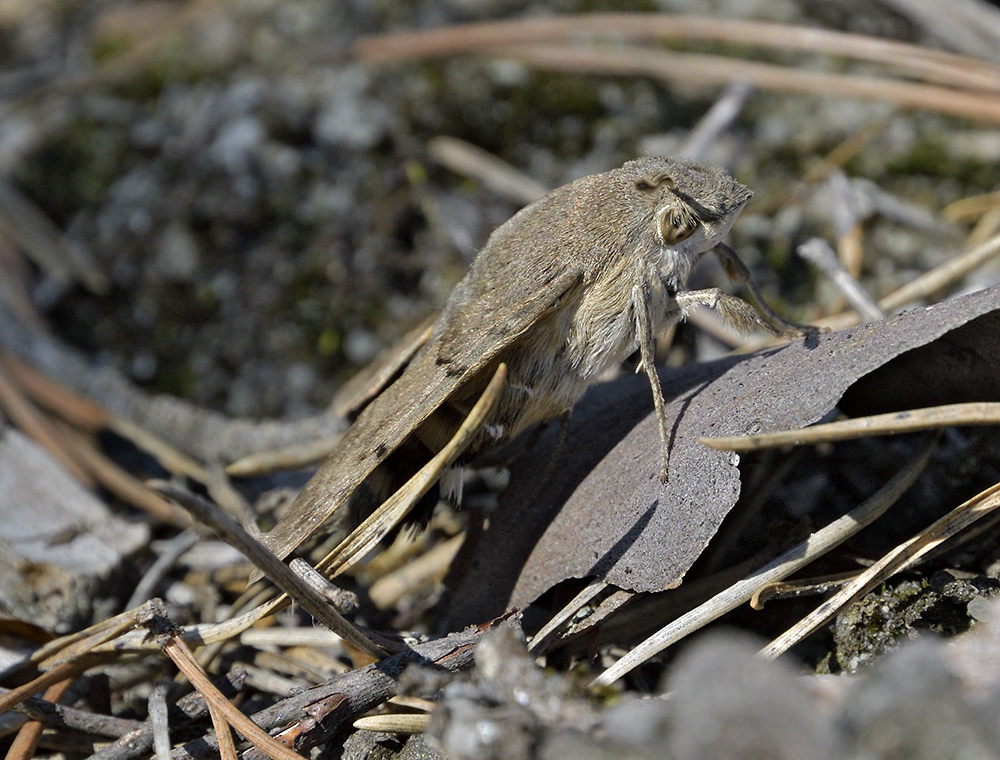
[570, 286]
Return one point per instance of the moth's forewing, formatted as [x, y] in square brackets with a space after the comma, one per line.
[357, 392]
[470, 340]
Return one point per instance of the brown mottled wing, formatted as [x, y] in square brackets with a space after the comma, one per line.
[490, 326]
[357, 392]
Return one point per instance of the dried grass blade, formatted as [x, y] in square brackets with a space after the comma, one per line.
[903, 557]
[893, 423]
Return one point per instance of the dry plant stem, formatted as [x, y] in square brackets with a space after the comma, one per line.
[68, 649]
[59, 673]
[804, 587]
[198, 635]
[24, 744]
[367, 535]
[926, 284]
[819, 253]
[900, 559]
[468, 160]
[34, 425]
[941, 276]
[70, 406]
[172, 551]
[277, 571]
[710, 70]
[541, 639]
[933, 65]
[177, 650]
[399, 723]
[799, 556]
[893, 423]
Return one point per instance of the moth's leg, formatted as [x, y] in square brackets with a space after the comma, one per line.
[740, 273]
[647, 350]
[735, 312]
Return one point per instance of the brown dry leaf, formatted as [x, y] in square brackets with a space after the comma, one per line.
[604, 514]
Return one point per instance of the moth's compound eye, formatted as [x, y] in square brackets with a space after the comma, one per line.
[676, 225]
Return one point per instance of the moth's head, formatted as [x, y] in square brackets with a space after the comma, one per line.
[693, 205]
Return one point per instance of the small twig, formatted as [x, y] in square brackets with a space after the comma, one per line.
[900, 559]
[469, 161]
[791, 561]
[231, 501]
[70, 719]
[184, 659]
[157, 708]
[893, 423]
[208, 514]
[819, 253]
[173, 550]
[345, 602]
[715, 121]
